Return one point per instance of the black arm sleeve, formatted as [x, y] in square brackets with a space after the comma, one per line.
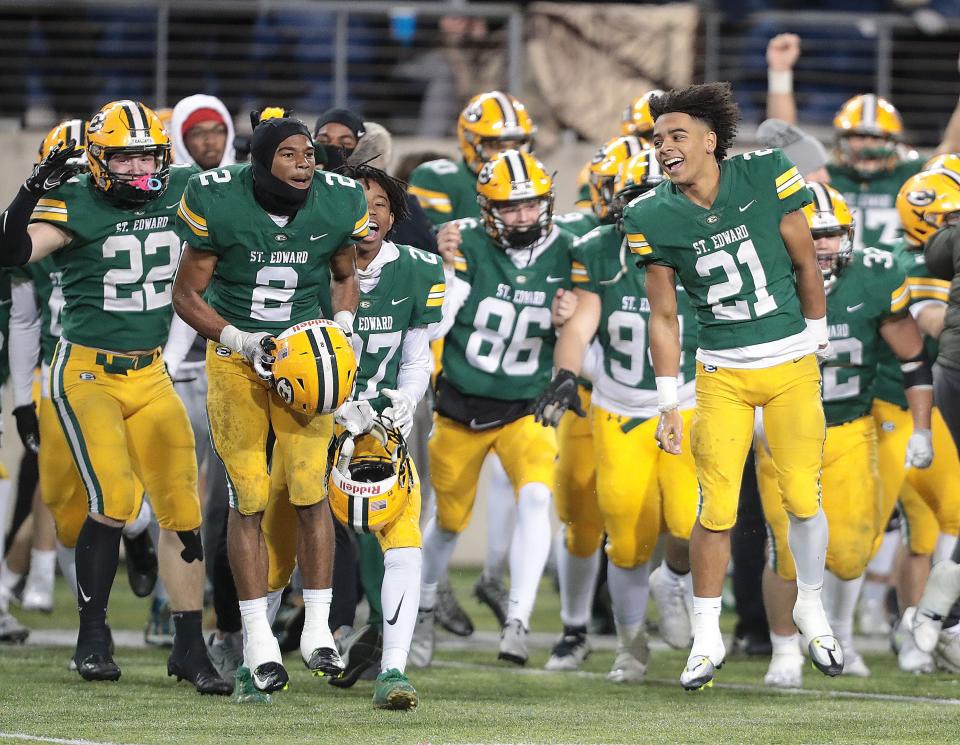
[15, 243]
[938, 252]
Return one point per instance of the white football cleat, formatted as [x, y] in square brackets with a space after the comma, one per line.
[785, 670]
[853, 664]
[570, 652]
[701, 668]
[37, 596]
[630, 664]
[947, 655]
[910, 658]
[822, 646]
[939, 594]
[424, 639]
[925, 630]
[671, 597]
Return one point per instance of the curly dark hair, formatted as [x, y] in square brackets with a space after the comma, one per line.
[394, 188]
[711, 103]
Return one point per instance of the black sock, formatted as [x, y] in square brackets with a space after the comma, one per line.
[225, 600]
[98, 553]
[188, 633]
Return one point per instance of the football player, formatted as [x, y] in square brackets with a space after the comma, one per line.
[637, 489]
[490, 123]
[259, 236]
[867, 298]
[401, 296]
[114, 400]
[636, 119]
[498, 347]
[733, 233]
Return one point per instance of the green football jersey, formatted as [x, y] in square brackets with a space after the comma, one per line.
[446, 190]
[600, 267]
[873, 202]
[923, 287]
[730, 258]
[502, 340]
[408, 294]
[118, 269]
[576, 223]
[870, 289]
[269, 278]
[48, 287]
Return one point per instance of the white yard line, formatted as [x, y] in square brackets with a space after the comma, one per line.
[722, 686]
[58, 740]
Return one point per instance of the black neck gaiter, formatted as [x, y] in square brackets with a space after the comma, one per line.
[274, 195]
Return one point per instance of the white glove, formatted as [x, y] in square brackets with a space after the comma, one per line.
[817, 328]
[257, 347]
[401, 410]
[920, 448]
[355, 416]
[826, 352]
[344, 319]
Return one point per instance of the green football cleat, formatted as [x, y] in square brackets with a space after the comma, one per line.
[244, 691]
[393, 691]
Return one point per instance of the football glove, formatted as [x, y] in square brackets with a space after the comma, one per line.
[256, 347]
[53, 170]
[560, 395]
[920, 448]
[356, 417]
[401, 410]
[28, 426]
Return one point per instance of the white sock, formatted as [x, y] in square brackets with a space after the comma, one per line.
[842, 603]
[785, 644]
[400, 598]
[8, 579]
[808, 544]
[273, 605]
[944, 547]
[316, 621]
[141, 522]
[67, 559]
[626, 634]
[438, 547]
[578, 579]
[256, 628]
[501, 517]
[529, 550]
[5, 501]
[629, 592]
[707, 640]
[882, 562]
[42, 568]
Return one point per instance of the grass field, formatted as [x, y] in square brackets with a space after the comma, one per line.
[467, 697]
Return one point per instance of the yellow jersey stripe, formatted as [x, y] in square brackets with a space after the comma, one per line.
[928, 282]
[797, 186]
[641, 250]
[57, 210]
[432, 200]
[942, 295]
[51, 216]
[786, 176]
[361, 223]
[899, 298]
[199, 231]
[51, 203]
[189, 214]
[435, 303]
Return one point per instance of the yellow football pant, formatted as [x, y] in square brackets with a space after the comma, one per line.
[242, 409]
[641, 490]
[122, 424]
[575, 488]
[527, 450]
[281, 528]
[851, 492]
[723, 430]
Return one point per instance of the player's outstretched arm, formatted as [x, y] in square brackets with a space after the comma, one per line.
[813, 301]
[344, 287]
[664, 333]
[902, 335]
[783, 50]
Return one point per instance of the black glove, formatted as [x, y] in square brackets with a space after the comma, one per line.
[560, 395]
[53, 170]
[28, 426]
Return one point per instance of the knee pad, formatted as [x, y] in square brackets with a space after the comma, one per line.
[848, 564]
[192, 545]
[534, 496]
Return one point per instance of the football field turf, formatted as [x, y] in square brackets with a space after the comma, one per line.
[467, 697]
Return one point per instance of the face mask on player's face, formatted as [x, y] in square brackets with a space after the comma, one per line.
[683, 146]
[293, 163]
[381, 216]
[867, 154]
[828, 248]
[132, 164]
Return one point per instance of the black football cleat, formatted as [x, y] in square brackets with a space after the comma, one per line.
[142, 565]
[325, 661]
[270, 677]
[195, 666]
[96, 666]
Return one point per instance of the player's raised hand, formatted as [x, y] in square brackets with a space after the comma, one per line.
[448, 241]
[53, 170]
[563, 307]
[560, 395]
[670, 431]
[783, 51]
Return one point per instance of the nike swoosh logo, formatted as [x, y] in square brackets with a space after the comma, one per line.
[554, 279]
[86, 598]
[854, 308]
[477, 427]
[396, 615]
[318, 237]
[747, 205]
[397, 302]
[51, 182]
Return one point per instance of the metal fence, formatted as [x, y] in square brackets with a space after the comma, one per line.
[393, 61]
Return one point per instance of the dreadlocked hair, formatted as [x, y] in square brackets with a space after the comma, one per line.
[711, 103]
[394, 188]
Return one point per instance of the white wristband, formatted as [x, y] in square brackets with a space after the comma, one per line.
[779, 81]
[818, 330]
[667, 397]
[344, 318]
[232, 337]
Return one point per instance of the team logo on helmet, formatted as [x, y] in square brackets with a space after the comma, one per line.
[96, 124]
[473, 113]
[285, 390]
[921, 197]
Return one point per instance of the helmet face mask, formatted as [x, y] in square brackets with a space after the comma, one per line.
[835, 256]
[868, 130]
[519, 236]
[829, 217]
[505, 185]
[868, 155]
[603, 169]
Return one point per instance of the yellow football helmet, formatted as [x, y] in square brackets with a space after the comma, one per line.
[947, 162]
[315, 367]
[604, 168]
[71, 129]
[636, 119]
[369, 478]
[829, 216]
[127, 127]
[638, 175]
[493, 118]
[925, 200]
[868, 115]
[514, 176]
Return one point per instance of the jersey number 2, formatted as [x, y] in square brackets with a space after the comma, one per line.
[148, 297]
[738, 310]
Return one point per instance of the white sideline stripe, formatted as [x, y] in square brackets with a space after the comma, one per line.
[723, 686]
[60, 740]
